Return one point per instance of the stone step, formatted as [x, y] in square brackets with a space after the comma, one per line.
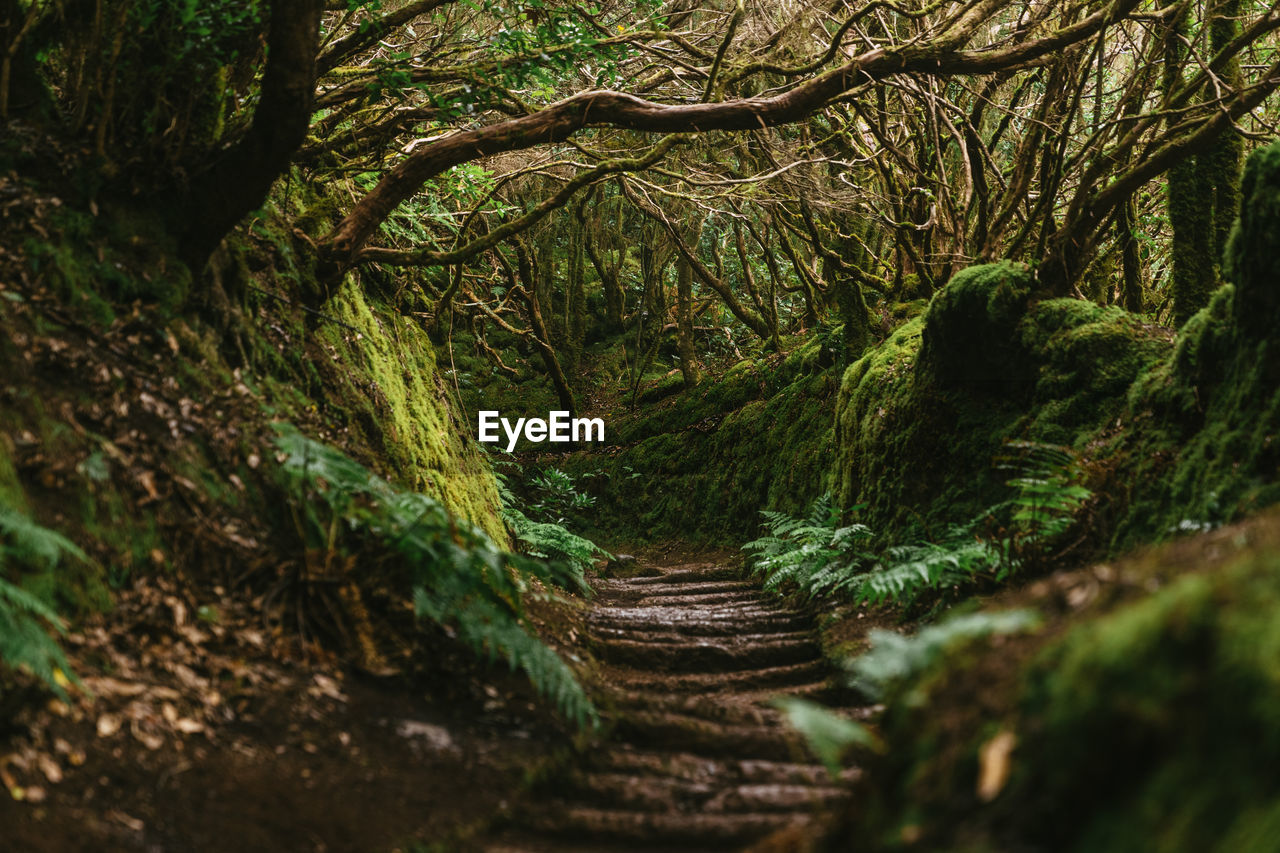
[673, 636]
[701, 621]
[775, 678]
[703, 599]
[649, 587]
[726, 830]
[673, 794]
[664, 730]
[720, 573]
[727, 771]
[707, 655]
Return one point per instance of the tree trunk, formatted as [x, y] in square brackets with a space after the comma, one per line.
[1131, 261]
[238, 180]
[684, 324]
[528, 279]
[1190, 200]
[1222, 161]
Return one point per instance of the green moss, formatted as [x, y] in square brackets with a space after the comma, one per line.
[387, 384]
[1181, 693]
[970, 332]
[1253, 262]
[1187, 434]
[1203, 444]
[701, 464]
[1143, 720]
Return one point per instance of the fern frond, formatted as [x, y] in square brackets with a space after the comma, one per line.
[458, 576]
[25, 619]
[894, 657]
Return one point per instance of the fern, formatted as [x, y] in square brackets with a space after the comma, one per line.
[25, 620]
[1046, 505]
[553, 542]
[457, 576]
[811, 555]
[893, 658]
[549, 540]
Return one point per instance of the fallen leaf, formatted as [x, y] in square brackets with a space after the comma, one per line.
[103, 685]
[50, 768]
[109, 724]
[994, 764]
[147, 480]
[126, 820]
[188, 726]
[151, 740]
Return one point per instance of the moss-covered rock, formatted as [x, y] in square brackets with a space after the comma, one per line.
[1143, 715]
[1182, 435]
[970, 330]
[389, 387]
[917, 426]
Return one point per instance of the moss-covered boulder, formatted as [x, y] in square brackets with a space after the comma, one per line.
[1144, 714]
[1182, 435]
[918, 425]
[970, 329]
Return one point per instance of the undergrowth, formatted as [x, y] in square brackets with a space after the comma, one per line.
[538, 525]
[457, 577]
[818, 557]
[25, 619]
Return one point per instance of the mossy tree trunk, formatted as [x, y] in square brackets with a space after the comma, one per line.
[684, 323]
[856, 317]
[1204, 191]
[607, 260]
[1222, 162]
[528, 280]
[575, 321]
[237, 182]
[1130, 259]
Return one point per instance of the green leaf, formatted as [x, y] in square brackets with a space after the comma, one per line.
[828, 735]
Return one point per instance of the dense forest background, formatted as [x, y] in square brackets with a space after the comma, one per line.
[970, 299]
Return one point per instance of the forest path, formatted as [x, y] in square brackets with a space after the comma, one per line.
[697, 758]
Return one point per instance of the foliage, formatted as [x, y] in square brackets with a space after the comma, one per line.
[25, 619]
[894, 658]
[457, 577]
[1145, 716]
[545, 539]
[829, 735]
[556, 496]
[1048, 503]
[810, 552]
[819, 558]
[702, 464]
[552, 541]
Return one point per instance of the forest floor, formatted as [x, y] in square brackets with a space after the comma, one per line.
[206, 736]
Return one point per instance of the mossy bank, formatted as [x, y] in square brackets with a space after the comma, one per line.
[1178, 433]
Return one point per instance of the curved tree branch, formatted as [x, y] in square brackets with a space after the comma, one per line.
[557, 122]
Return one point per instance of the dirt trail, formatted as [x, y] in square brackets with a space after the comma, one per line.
[697, 760]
